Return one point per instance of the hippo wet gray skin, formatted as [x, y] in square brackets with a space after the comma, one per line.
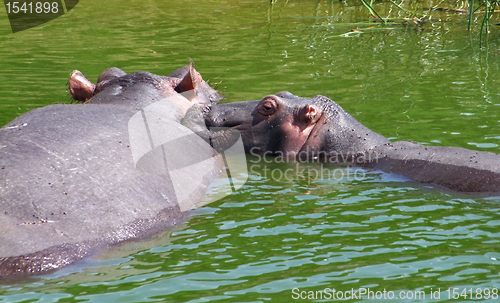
[69, 185]
[318, 128]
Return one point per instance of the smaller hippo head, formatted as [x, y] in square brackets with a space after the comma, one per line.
[287, 125]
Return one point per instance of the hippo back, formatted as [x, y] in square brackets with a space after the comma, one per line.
[69, 186]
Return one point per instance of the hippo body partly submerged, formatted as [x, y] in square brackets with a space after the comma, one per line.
[319, 129]
[69, 184]
[72, 181]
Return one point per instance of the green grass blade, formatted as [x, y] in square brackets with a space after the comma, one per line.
[402, 8]
[372, 11]
[471, 6]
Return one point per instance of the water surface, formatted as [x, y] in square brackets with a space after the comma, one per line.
[427, 83]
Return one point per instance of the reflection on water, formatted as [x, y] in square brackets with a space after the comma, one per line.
[271, 237]
[428, 83]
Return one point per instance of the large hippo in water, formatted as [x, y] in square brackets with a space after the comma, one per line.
[318, 129]
[73, 182]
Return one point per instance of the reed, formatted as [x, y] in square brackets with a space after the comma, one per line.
[470, 7]
[489, 8]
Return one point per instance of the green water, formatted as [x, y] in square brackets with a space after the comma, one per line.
[430, 84]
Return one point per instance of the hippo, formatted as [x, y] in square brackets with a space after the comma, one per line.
[318, 129]
[76, 178]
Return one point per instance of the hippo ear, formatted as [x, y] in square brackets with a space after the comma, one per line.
[193, 88]
[190, 81]
[81, 88]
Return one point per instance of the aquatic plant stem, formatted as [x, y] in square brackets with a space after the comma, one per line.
[372, 11]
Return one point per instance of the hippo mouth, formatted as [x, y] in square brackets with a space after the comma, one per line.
[236, 115]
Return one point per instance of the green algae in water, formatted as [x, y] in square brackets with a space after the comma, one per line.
[433, 86]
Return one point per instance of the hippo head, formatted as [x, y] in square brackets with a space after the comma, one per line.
[286, 125]
[140, 89]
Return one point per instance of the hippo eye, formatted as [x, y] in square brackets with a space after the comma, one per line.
[267, 106]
